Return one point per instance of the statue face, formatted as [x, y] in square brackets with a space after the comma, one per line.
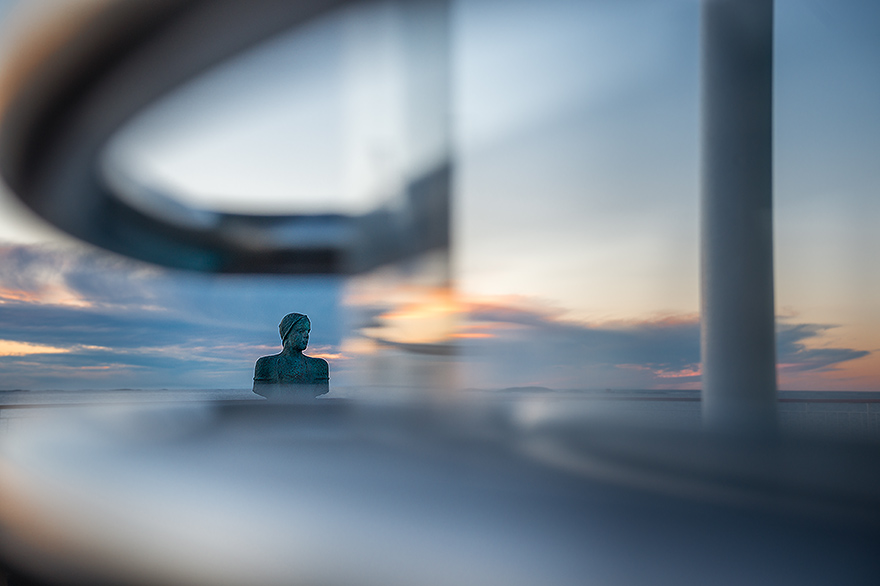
[298, 338]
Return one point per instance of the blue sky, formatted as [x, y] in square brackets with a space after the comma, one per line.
[575, 132]
[96, 320]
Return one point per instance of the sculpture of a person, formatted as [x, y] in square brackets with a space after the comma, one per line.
[291, 375]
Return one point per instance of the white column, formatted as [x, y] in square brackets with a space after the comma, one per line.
[737, 308]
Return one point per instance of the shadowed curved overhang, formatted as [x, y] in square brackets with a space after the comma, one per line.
[85, 78]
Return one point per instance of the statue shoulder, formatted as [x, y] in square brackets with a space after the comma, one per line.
[265, 367]
[318, 363]
[318, 367]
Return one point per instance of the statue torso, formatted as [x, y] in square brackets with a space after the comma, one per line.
[288, 376]
[291, 369]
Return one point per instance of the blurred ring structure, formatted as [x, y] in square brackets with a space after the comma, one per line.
[103, 68]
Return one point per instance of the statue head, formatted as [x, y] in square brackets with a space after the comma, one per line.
[294, 329]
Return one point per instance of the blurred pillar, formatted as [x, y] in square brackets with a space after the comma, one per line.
[403, 315]
[737, 307]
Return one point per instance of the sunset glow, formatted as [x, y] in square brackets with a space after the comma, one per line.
[49, 295]
[13, 348]
[416, 315]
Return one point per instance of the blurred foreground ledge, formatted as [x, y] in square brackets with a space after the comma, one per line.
[520, 491]
[845, 414]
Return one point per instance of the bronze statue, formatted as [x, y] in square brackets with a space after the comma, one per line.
[291, 375]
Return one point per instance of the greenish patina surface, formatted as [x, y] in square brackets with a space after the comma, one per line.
[290, 374]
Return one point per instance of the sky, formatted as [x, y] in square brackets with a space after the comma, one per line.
[574, 135]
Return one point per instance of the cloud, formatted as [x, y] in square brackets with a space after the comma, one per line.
[75, 318]
[534, 347]
[521, 346]
[127, 324]
[794, 356]
[12, 348]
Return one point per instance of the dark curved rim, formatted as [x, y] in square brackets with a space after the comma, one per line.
[130, 54]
